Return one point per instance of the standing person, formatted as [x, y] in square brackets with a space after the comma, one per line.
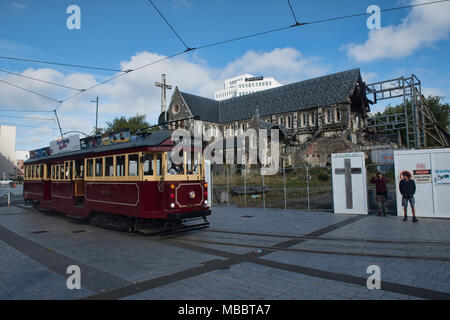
[381, 192]
[408, 189]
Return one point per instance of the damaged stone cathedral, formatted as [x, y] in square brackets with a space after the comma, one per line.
[316, 117]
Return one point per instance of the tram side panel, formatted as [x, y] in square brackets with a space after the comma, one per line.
[152, 201]
[121, 198]
[33, 190]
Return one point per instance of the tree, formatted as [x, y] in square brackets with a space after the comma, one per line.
[133, 124]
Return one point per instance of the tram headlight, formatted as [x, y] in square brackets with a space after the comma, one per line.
[172, 205]
[206, 202]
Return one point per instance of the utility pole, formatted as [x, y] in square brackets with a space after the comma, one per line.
[96, 115]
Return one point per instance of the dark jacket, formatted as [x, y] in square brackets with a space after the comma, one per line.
[380, 184]
[407, 188]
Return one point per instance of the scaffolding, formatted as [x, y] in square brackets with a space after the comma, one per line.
[417, 120]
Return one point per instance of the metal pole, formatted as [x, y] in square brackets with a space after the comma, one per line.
[228, 184]
[415, 114]
[245, 186]
[307, 186]
[96, 117]
[284, 181]
[9, 199]
[59, 125]
[264, 194]
[406, 113]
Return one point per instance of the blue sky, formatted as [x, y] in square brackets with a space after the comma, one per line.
[123, 34]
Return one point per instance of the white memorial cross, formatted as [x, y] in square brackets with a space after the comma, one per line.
[348, 171]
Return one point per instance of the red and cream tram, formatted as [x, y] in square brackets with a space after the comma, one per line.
[130, 186]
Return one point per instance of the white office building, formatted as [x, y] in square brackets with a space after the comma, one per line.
[245, 84]
[7, 152]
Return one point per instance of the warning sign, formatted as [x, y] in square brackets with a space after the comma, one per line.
[422, 176]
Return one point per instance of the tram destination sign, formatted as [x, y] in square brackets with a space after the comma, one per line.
[68, 144]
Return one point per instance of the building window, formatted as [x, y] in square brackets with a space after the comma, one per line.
[338, 115]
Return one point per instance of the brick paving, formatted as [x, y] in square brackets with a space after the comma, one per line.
[274, 254]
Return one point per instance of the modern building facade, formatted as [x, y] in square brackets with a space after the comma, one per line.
[21, 157]
[8, 152]
[245, 84]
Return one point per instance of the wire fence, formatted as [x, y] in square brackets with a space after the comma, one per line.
[306, 188]
[303, 188]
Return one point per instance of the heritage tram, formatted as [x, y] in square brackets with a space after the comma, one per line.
[130, 186]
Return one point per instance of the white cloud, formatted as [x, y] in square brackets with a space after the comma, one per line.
[181, 4]
[136, 92]
[286, 65]
[369, 77]
[18, 5]
[422, 27]
[432, 92]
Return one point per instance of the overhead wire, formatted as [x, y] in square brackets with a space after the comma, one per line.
[188, 49]
[23, 117]
[40, 80]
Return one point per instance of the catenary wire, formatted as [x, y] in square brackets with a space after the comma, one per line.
[40, 80]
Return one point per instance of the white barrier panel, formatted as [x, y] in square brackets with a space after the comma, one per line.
[349, 183]
[208, 180]
[430, 170]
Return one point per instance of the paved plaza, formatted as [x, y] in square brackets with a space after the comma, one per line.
[245, 254]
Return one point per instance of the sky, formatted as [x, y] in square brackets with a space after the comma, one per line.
[124, 35]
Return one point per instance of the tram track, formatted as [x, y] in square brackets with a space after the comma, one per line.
[307, 237]
[293, 240]
[305, 250]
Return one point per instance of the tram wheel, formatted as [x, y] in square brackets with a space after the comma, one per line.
[94, 220]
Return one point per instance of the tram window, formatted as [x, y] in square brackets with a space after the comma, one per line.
[192, 163]
[158, 164]
[48, 171]
[99, 167]
[79, 169]
[133, 168]
[61, 172]
[41, 171]
[148, 164]
[172, 166]
[89, 167]
[66, 170]
[109, 166]
[120, 166]
[53, 172]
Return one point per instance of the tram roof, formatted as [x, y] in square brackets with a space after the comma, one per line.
[152, 140]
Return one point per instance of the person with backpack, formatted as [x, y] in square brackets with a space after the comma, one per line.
[408, 189]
